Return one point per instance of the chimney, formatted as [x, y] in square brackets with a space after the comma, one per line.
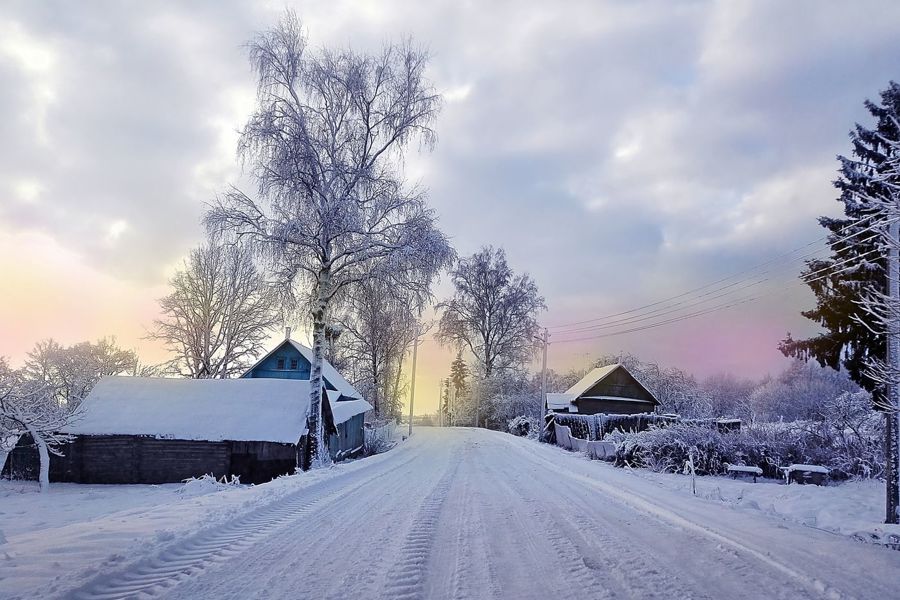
[287, 333]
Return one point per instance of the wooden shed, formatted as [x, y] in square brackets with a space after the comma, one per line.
[160, 430]
[608, 390]
[157, 430]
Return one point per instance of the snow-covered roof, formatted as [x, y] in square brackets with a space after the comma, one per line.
[593, 377]
[328, 371]
[561, 402]
[810, 468]
[343, 410]
[265, 410]
[597, 375]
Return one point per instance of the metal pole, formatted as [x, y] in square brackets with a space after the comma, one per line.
[412, 385]
[543, 411]
[452, 404]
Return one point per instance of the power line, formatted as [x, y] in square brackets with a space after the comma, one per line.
[709, 296]
[662, 311]
[711, 309]
[558, 328]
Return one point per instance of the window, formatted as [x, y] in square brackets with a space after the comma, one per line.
[280, 366]
[294, 364]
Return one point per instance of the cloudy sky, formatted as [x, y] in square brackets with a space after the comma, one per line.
[621, 153]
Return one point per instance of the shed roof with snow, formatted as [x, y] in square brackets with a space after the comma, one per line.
[610, 389]
[263, 410]
[269, 410]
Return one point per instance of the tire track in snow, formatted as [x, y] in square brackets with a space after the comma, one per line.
[372, 573]
[633, 569]
[474, 574]
[406, 580]
[181, 560]
[582, 581]
[726, 544]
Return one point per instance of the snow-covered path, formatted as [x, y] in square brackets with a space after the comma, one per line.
[462, 513]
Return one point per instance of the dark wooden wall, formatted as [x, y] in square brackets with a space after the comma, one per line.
[137, 459]
[349, 439]
[620, 383]
[588, 406]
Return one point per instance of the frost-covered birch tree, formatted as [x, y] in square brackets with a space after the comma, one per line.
[71, 372]
[219, 314]
[379, 325]
[30, 406]
[493, 312]
[332, 208]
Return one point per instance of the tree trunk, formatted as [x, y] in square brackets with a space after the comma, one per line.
[395, 392]
[892, 479]
[44, 477]
[890, 469]
[316, 439]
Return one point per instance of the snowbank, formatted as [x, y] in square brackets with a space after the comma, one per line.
[56, 541]
[853, 508]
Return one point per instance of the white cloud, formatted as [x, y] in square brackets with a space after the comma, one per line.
[653, 144]
[115, 230]
[27, 190]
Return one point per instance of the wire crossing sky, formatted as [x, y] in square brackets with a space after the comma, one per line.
[620, 152]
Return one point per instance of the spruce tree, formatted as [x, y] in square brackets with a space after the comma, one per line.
[869, 182]
[848, 341]
[459, 373]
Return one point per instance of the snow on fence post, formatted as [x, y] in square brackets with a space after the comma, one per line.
[689, 466]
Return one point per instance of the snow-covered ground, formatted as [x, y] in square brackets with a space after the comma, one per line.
[854, 508]
[452, 513]
[23, 509]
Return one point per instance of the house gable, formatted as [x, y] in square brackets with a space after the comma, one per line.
[619, 383]
[284, 362]
[610, 389]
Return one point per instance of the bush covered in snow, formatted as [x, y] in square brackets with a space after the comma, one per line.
[208, 484]
[379, 437]
[522, 426]
[850, 447]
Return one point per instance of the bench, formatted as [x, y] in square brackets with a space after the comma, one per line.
[804, 474]
[735, 470]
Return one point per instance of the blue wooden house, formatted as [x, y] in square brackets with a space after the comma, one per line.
[345, 411]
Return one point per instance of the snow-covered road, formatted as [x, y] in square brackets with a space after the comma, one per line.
[462, 513]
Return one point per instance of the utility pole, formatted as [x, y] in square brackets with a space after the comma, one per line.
[543, 411]
[412, 385]
[452, 404]
[892, 483]
[441, 403]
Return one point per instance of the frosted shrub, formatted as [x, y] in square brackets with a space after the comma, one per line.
[208, 484]
[523, 426]
[379, 437]
[849, 447]
[667, 449]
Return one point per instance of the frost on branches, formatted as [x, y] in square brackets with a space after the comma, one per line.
[220, 313]
[332, 209]
[28, 406]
